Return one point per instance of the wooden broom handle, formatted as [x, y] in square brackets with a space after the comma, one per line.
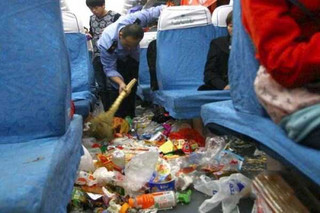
[130, 85]
[122, 95]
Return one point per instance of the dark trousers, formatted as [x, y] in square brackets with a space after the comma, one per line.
[207, 87]
[101, 80]
[129, 70]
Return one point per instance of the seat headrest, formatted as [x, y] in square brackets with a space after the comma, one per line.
[147, 38]
[71, 24]
[220, 14]
[180, 17]
[64, 6]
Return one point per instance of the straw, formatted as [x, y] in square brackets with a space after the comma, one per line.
[101, 126]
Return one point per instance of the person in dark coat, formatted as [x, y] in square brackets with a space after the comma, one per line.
[216, 68]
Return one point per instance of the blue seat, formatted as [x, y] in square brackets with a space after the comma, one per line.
[82, 75]
[83, 107]
[184, 35]
[185, 104]
[38, 175]
[143, 89]
[219, 17]
[40, 143]
[245, 116]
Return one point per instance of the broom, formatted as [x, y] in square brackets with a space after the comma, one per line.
[100, 127]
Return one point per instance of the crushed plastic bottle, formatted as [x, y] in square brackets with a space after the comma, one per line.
[158, 200]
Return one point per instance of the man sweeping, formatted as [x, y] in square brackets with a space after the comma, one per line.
[119, 50]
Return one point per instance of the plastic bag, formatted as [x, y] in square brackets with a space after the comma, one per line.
[88, 142]
[206, 185]
[229, 191]
[139, 171]
[103, 176]
[86, 163]
[85, 178]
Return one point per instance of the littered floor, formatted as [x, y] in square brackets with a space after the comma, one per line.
[253, 164]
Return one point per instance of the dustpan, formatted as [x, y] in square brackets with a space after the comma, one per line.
[100, 127]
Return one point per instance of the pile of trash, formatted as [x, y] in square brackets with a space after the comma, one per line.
[154, 163]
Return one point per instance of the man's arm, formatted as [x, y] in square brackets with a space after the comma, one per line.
[146, 16]
[109, 62]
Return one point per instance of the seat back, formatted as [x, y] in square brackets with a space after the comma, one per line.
[219, 17]
[183, 40]
[243, 67]
[34, 70]
[82, 76]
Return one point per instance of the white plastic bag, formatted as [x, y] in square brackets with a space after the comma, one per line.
[86, 163]
[103, 176]
[206, 185]
[139, 170]
[229, 191]
[88, 142]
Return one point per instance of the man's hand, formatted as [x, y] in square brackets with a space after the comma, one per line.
[122, 87]
[119, 81]
[227, 87]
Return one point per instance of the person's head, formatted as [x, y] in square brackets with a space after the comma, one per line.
[130, 36]
[97, 7]
[229, 23]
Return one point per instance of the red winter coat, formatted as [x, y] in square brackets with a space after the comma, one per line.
[287, 41]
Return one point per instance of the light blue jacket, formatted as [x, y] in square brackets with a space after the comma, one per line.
[110, 36]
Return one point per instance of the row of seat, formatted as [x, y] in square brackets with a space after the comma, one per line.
[183, 38]
[40, 142]
[181, 54]
[244, 115]
[82, 74]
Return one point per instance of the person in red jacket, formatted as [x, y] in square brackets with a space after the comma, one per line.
[287, 42]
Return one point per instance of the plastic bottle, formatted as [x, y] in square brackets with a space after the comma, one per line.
[158, 200]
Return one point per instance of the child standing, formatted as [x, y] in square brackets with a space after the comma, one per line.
[100, 19]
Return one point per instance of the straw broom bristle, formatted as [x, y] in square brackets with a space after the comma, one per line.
[101, 126]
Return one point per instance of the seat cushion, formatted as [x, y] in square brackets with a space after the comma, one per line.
[83, 102]
[186, 104]
[267, 133]
[38, 175]
[82, 107]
